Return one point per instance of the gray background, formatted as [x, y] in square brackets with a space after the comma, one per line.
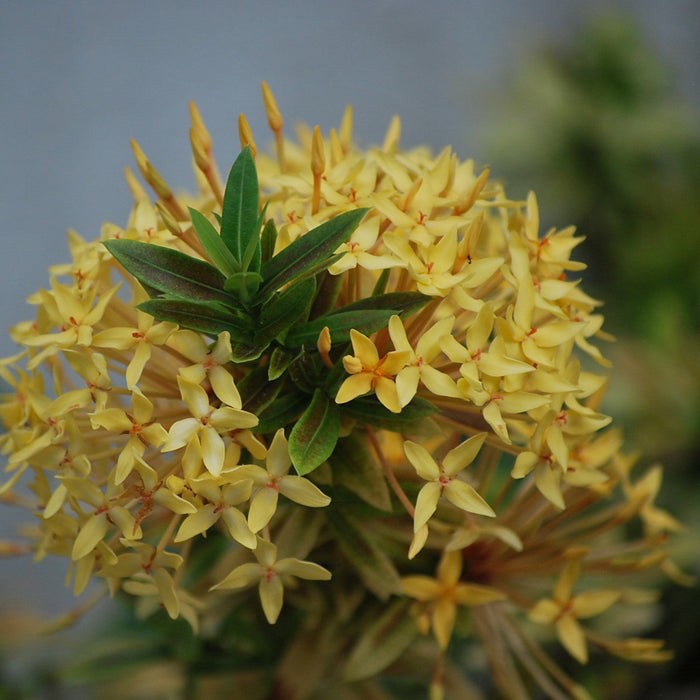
[78, 80]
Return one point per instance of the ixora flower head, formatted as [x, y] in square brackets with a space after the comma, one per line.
[357, 384]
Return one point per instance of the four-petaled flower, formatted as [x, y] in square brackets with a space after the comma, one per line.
[370, 373]
[269, 572]
[445, 592]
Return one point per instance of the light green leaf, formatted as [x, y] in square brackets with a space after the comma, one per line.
[214, 246]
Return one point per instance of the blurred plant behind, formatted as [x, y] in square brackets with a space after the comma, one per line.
[597, 130]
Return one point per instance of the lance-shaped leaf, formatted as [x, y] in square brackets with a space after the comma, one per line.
[268, 239]
[339, 324]
[239, 214]
[366, 316]
[204, 317]
[213, 244]
[315, 434]
[357, 469]
[169, 271]
[281, 412]
[312, 252]
[371, 412]
[282, 310]
[383, 640]
[365, 554]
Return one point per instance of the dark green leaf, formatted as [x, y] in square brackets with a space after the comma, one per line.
[315, 434]
[365, 554]
[401, 303]
[203, 317]
[371, 412]
[257, 391]
[339, 324]
[268, 239]
[356, 467]
[215, 248]
[329, 287]
[284, 308]
[169, 271]
[281, 412]
[239, 215]
[383, 640]
[313, 248]
[280, 359]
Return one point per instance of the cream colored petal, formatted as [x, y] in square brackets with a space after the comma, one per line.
[466, 498]
[135, 369]
[180, 433]
[262, 508]
[572, 637]
[418, 542]
[113, 419]
[355, 385]
[422, 460]
[492, 415]
[363, 349]
[593, 603]
[395, 361]
[521, 401]
[278, 460]
[501, 366]
[227, 418]
[397, 333]
[474, 594]
[302, 569]
[271, 597]
[213, 450]
[224, 386]
[463, 455]
[173, 502]
[238, 527]
[302, 491]
[426, 504]
[93, 531]
[407, 384]
[547, 480]
[116, 338]
[544, 611]
[196, 523]
[525, 462]
[241, 577]
[385, 389]
[443, 619]
[421, 588]
[195, 397]
[166, 589]
[437, 382]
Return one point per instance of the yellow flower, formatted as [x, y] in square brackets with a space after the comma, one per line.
[444, 593]
[270, 574]
[370, 373]
[202, 433]
[273, 480]
[565, 609]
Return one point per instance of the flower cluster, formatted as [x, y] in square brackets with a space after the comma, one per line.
[434, 381]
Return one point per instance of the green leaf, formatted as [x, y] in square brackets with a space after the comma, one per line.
[401, 303]
[371, 412]
[243, 284]
[284, 308]
[355, 467]
[203, 317]
[308, 252]
[366, 316]
[239, 215]
[215, 248]
[280, 359]
[383, 640]
[281, 412]
[365, 553]
[315, 434]
[169, 271]
[339, 324]
[257, 391]
[268, 239]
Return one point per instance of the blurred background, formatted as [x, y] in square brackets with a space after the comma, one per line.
[594, 105]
